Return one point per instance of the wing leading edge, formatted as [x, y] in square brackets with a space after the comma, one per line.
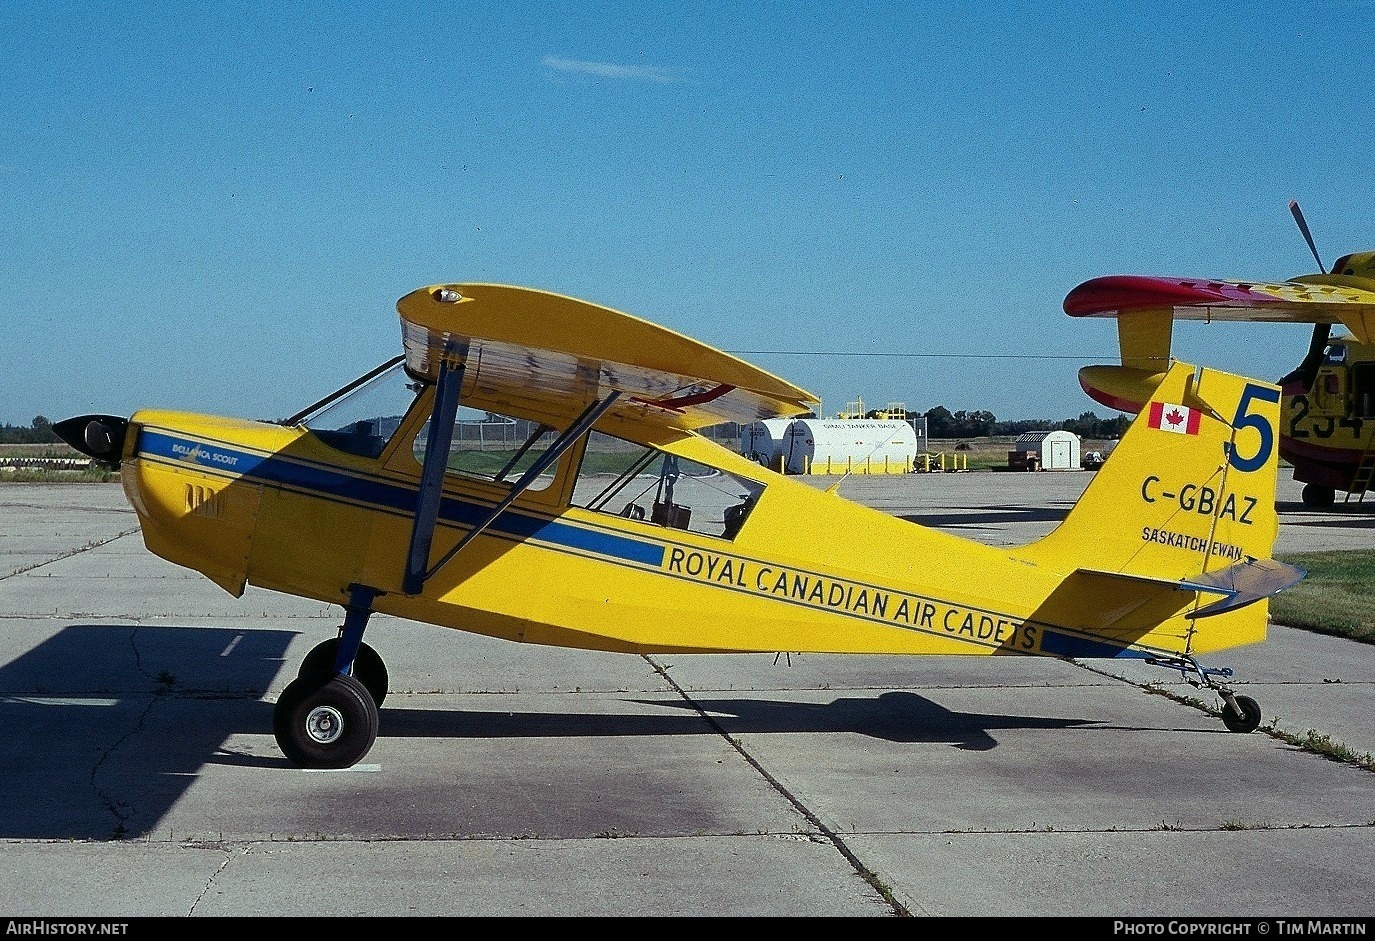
[1146, 306]
[1315, 299]
[521, 345]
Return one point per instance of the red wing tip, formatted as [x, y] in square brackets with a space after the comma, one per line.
[1114, 294]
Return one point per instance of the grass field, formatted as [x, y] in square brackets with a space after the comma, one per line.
[38, 475]
[1337, 597]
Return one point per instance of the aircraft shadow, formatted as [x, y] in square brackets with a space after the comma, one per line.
[899, 716]
[1338, 516]
[106, 726]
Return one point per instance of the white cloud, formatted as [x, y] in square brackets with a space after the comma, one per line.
[611, 70]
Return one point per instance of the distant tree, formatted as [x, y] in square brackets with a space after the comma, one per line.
[979, 423]
[39, 432]
[976, 424]
[939, 422]
[1022, 426]
[1089, 425]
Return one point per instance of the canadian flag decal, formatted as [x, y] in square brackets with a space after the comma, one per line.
[1180, 419]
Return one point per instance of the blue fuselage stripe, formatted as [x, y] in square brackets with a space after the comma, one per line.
[400, 498]
[1064, 645]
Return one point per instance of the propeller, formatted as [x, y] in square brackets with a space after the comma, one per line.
[1322, 332]
[1297, 213]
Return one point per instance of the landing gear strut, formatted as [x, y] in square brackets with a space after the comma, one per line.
[1239, 713]
[328, 716]
[368, 667]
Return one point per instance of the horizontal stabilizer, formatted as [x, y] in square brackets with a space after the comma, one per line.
[1243, 583]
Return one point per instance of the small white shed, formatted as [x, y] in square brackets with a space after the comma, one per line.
[1052, 450]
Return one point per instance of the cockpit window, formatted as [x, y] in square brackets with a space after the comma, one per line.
[361, 417]
[662, 489]
[494, 447]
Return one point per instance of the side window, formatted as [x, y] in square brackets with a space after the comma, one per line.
[493, 447]
[662, 489]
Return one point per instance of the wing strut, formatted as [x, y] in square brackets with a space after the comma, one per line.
[416, 577]
[441, 435]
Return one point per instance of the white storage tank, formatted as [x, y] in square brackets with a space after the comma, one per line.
[762, 441]
[849, 446]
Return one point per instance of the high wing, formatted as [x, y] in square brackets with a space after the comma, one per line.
[1316, 299]
[556, 354]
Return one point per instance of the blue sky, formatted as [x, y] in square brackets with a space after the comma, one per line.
[214, 207]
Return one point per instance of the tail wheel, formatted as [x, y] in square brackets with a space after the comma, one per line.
[1248, 720]
[368, 667]
[325, 722]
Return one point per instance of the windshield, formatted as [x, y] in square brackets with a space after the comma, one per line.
[363, 415]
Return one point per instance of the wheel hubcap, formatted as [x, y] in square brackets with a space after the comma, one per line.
[324, 724]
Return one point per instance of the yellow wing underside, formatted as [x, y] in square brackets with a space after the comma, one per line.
[554, 354]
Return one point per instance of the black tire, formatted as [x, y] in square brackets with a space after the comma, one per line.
[1318, 496]
[1248, 721]
[325, 724]
[368, 667]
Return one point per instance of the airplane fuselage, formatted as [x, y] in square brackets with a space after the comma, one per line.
[1328, 428]
[246, 503]
[276, 507]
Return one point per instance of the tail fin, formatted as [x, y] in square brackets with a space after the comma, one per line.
[1169, 546]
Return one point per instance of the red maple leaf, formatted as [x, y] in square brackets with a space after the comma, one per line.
[1174, 417]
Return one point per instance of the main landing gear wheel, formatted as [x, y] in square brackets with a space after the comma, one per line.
[325, 722]
[1248, 720]
[368, 667]
[1318, 497]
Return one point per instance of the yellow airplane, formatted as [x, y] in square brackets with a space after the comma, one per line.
[531, 467]
[1327, 427]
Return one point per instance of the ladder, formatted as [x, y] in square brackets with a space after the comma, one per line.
[1365, 469]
